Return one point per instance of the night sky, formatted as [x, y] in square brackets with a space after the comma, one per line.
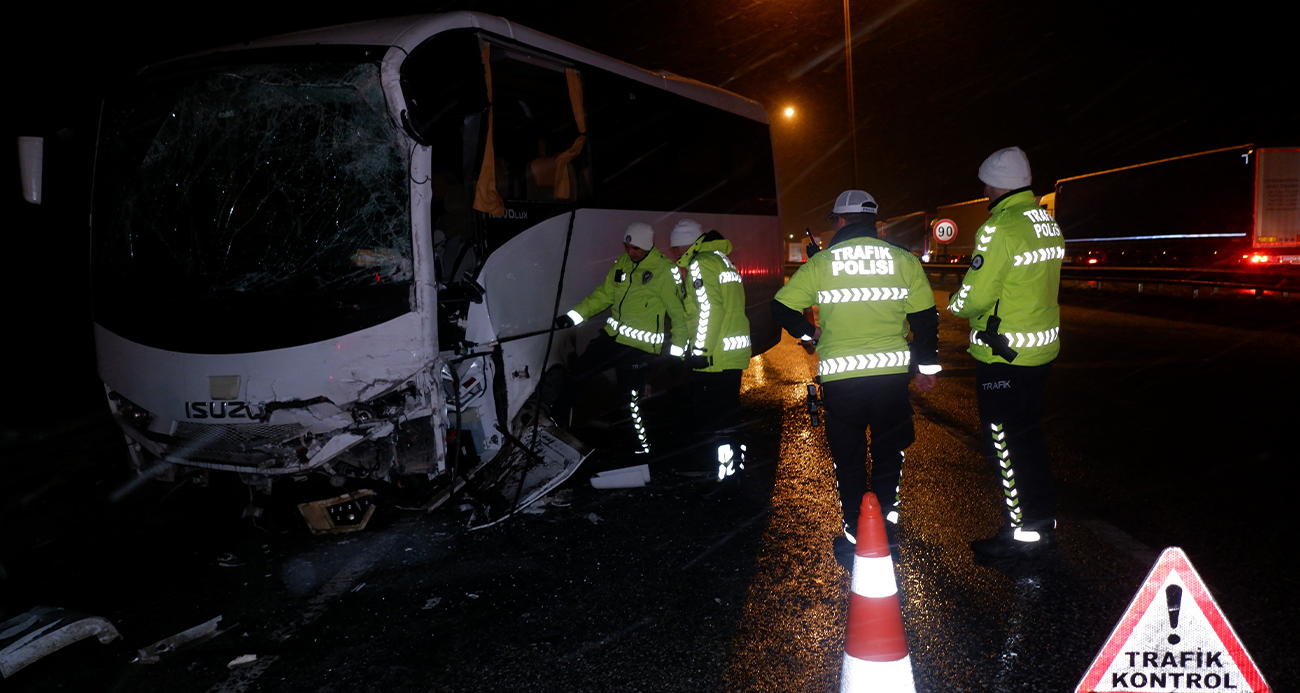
[939, 85]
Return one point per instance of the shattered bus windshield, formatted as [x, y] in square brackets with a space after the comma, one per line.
[250, 207]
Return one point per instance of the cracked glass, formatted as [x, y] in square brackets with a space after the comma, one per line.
[250, 207]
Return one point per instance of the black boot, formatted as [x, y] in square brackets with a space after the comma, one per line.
[1031, 539]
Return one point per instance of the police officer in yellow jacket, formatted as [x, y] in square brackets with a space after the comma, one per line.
[868, 292]
[718, 331]
[641, 288]
[1009, 294]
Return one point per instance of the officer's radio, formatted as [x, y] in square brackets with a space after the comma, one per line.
[814, 404]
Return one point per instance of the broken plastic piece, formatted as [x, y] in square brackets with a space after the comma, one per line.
[44, 630]
[203, 631]
[241, 661]
[347, 513]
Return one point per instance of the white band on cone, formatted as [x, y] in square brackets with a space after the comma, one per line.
[873, 577]
[886, 677]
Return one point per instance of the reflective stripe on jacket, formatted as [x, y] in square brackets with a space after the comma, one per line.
[638, 295]
[864, 289]
[715, 305]
[1016, 270]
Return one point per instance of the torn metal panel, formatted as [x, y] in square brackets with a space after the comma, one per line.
[153, 653]
[44, 630]
[529, 470]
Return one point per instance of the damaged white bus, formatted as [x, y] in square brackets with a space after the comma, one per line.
[340, 251]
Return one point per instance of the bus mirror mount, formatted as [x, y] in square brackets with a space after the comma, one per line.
[475, 291]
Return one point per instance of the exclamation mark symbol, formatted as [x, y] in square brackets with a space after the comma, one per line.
[1174, 599]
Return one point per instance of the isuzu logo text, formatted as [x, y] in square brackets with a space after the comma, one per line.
[220, 410]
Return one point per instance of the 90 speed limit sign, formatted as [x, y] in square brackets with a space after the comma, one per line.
[945, 230]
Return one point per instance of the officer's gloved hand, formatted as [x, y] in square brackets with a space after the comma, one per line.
[563, 322]
[697, 361]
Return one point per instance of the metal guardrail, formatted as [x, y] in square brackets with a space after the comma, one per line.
[1281, 280]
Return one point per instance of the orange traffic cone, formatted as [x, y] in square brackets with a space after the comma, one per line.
[875, 650]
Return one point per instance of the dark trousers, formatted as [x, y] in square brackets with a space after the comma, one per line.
[854, 405]
[715, 411]
[603, 353]
[1011, 424]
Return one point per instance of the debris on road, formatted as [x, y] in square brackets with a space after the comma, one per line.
[432, 603]
[229, 560]
[203, 631]
[593, 518]
[241, 661]
[44, 630]
[562, 498]
[346, 513]
[627, 477]
[559, 499]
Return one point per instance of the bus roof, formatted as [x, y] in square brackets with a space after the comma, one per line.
[408, 32]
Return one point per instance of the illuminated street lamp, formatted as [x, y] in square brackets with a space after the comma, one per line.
[789, 111]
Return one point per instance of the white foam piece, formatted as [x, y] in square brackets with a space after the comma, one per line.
[625, 478]
[642, 469]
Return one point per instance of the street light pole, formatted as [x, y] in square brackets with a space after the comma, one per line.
[848, 77]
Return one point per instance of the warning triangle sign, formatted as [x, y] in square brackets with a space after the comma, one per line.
[1173, 638]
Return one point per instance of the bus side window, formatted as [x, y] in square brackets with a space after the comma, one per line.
[656, 150]
[535, 131]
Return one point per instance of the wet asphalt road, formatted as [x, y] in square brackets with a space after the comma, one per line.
[1164, 432]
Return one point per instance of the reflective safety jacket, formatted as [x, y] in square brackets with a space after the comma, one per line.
[864, 289]
[715, 305]
[1015, 273]
[638, 295]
